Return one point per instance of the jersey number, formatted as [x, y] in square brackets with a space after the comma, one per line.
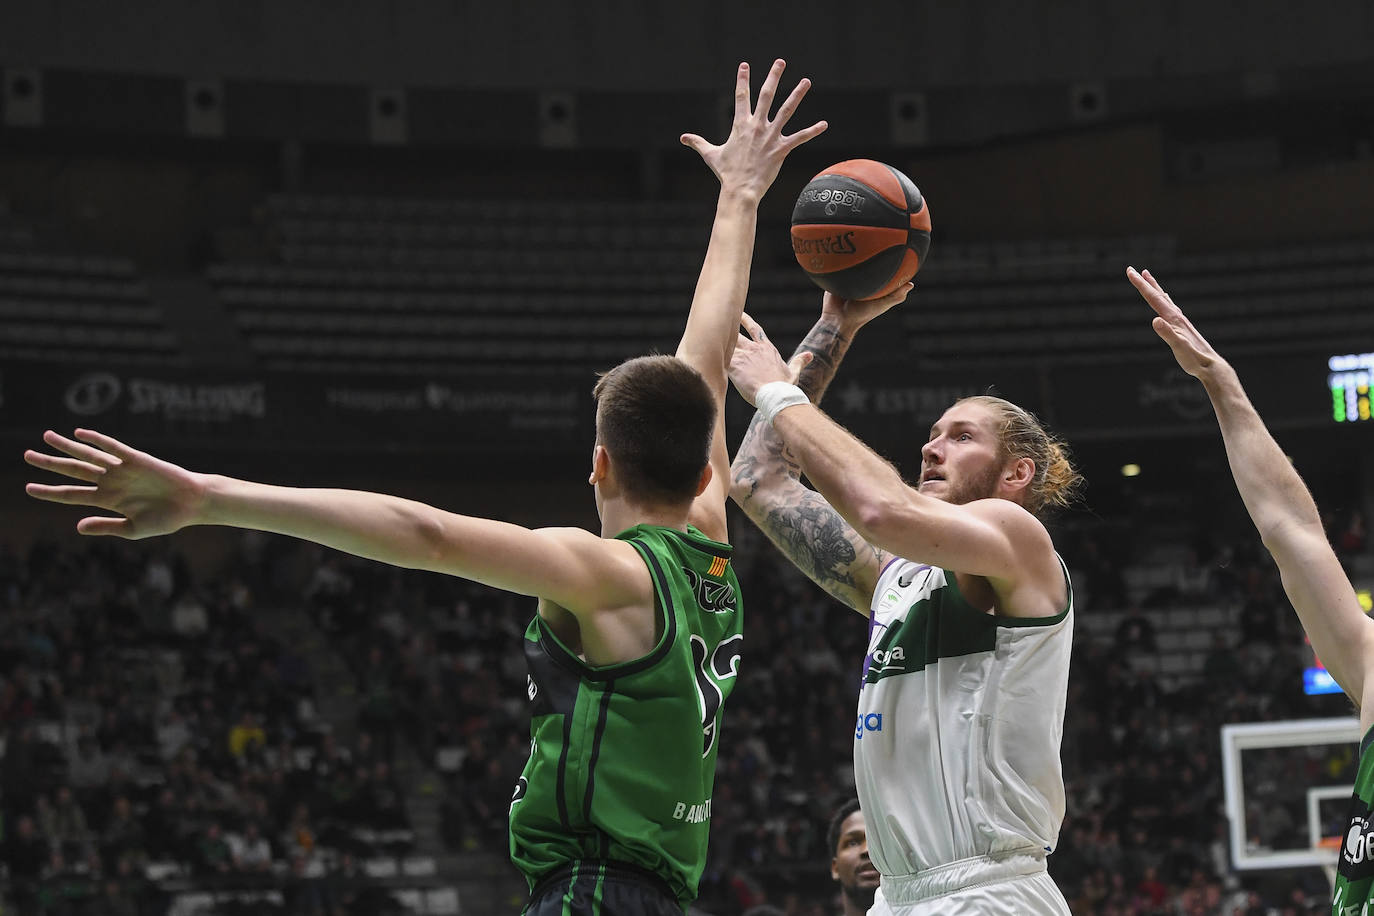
[721, 665]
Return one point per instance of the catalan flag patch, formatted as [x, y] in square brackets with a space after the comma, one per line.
[718, 566]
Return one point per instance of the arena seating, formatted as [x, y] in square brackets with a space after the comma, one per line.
[1169, 643]
[63, 306]
[407, 285]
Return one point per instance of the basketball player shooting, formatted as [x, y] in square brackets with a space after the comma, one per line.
[970, 612]
[1290, 526]
[636, 643]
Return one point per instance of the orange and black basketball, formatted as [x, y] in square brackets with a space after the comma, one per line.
[860, 229]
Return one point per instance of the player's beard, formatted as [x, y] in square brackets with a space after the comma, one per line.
[860, 896]
[980, 487]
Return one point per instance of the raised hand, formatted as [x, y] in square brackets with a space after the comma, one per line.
[152, 496]
[1194, 354]
[757, 362]
[855, 313]
[750, 157]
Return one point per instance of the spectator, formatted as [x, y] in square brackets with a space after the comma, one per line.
[213, 856]
[26, 854]
[123, 835]
[71, 834]
[88, 770]
[307, 894]
[298, 841]
[166, 825]
[189, 619]
[1153, 892]
[246, 737]
[20, 767]
[173, 732]
[386, 808]
[117, 899]
[250, 851]
[1135, 633]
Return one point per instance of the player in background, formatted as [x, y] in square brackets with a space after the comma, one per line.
[636, 643]
[1290, 526]
[847, 840]
[970, 609]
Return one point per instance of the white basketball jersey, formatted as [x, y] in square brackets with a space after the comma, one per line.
[956, 750]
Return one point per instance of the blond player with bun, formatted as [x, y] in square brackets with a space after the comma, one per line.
[970, 609]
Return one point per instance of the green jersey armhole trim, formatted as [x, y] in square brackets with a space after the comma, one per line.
[663, 604]
[1044, 621]
[1365, 741]
[1002, 620]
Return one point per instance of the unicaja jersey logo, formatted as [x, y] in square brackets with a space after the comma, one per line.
[868, 722]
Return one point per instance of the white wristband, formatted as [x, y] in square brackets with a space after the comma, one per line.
[775, 396]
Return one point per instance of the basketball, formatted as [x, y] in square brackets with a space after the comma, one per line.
[860, 229]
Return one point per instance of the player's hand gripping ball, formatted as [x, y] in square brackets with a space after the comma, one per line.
[860, 229]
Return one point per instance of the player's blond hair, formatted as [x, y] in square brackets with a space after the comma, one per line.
[1056, 483]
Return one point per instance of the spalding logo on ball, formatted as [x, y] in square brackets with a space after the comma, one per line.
[860, 229]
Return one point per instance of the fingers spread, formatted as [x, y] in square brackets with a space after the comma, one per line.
[99, 525]
[1152, 293]
[67, 495]
[769, 89]
[108, 443]
[79, 450]
[754, 329]
[71, 467]
[742, 92]
[700, 144]
[792, 141]
[789, 104]
[1138, 281]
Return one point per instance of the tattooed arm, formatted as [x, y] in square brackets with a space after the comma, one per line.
[766, 481]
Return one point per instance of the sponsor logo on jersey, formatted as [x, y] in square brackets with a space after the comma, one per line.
[693, 814]
[1357, 849]
[712, 597]
[868, 722]
[889, 600]
[890, 659]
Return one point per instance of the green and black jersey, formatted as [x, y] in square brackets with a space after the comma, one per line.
[1355, 871]
[623, 757]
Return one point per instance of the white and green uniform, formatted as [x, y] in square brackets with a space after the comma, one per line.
[956, 750]
[1354, 890]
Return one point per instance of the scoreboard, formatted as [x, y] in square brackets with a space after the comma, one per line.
[1349, 379]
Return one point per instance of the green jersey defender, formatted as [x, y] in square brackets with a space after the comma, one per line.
[1354, 889]
[623, 757]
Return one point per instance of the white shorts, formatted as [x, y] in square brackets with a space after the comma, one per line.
[1015, 885]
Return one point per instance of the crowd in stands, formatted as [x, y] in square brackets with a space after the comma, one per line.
[155, 735]
[152, 728]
